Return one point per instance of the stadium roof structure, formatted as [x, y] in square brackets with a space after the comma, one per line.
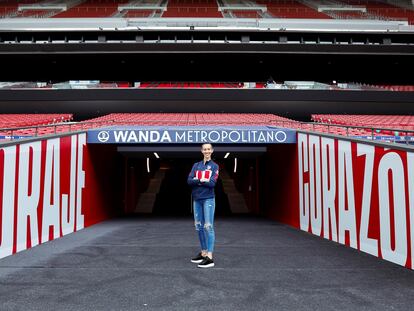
[219, 24]
[205, 50]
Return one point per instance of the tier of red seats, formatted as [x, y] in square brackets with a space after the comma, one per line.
[223, 119]
[333, 124]
[227, 85]
[192, 12]
[384, 10]
[388, 122]
[192, 8]
[394, 88]
[246, 14]
[397, 88]
[210, 85]
[34, 13]
[291, 9]
[149, 119]
[85, 12]
[350, 14]
[209, 8]
[8, 7]
[186, 119]
[137, 13]
[394, 13]
[365, 120]
[6, 11]
[192, 3]
[27, 120]
[368, 3]
[93, 8]
[16, 3]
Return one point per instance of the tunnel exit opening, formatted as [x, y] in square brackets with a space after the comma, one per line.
[156, 179]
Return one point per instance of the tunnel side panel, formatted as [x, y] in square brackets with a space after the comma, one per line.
[50, 188]
[358, 194]
[279, 186]
[103, 198]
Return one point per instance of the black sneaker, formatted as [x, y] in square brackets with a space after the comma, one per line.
[199, 258]
[206, 263]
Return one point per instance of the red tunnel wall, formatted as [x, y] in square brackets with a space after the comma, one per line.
[280, 184]
[358, 194]
[52, 187]
[105, 179]
[354, 193]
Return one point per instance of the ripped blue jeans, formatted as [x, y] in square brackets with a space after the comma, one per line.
[204, 222]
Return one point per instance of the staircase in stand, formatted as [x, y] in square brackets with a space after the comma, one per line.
[147, 199]
[236, 199]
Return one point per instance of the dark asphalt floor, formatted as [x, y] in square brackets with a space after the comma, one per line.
[144, 264]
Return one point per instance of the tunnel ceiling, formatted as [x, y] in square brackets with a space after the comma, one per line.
[176, 151]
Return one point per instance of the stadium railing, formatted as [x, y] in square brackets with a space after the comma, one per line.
[367, 132]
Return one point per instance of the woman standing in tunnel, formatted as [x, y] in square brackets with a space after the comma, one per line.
[202, 179]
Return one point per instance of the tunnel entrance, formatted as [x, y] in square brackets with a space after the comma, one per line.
[174, 196]
[156, 179]
[256, 158]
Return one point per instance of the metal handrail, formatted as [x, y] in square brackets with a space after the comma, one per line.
[284, 123]
[362, 127]
[12, 130]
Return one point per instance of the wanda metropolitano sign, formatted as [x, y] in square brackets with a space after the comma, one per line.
[192, 135]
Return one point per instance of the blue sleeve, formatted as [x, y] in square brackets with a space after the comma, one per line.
[190, 179]
[213, 179]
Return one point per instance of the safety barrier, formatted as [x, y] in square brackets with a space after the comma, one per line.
[367, 132]
[358, 193]
[49, 188]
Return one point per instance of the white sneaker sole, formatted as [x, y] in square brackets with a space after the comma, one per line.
[210, 265]
[197, 261]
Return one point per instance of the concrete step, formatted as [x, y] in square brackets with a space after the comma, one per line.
[147, 199]
[236, 199]
[146, 203]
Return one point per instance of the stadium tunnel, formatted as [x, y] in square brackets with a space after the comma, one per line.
[318, 183]
[152, 178]
[155, 178]
[340, 188]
